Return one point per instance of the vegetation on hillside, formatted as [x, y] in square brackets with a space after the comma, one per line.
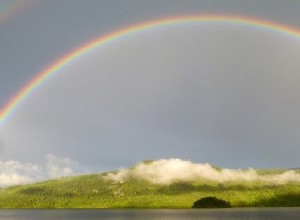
[96, 191]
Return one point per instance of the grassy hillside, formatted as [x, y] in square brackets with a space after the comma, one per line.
[94, 191]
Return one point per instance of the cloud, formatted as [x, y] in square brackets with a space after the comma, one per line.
[13, 172]
[164, 171]
[167, 171]
[58, 167]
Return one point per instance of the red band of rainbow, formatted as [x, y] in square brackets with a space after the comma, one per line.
[41, 77]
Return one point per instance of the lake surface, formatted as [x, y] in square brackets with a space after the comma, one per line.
[152, 214]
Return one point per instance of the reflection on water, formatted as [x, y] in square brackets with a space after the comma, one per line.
[152, 214]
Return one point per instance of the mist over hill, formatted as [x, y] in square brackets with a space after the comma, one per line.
[165, 183]
[168, 171]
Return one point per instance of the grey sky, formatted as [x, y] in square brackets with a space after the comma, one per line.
[45, 30]
[221, 94]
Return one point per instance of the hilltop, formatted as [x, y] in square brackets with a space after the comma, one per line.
[144, 186]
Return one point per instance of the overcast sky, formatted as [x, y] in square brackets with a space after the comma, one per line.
[220, 93]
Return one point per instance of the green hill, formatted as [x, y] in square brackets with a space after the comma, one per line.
[98, 191]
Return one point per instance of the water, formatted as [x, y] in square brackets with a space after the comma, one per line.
[152, 214]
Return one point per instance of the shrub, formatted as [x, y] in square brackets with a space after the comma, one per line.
[211, 202]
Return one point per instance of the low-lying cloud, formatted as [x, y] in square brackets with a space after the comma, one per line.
[167, 171]
[164, 171]
[15, 173]
[58, 167]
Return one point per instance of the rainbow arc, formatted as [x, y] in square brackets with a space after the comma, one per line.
[13, 104]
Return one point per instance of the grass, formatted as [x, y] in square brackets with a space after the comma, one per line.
[93, 191]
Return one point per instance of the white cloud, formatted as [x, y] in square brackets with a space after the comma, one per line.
[164, 171]
[167, 171]
[14, 173]
[58, 167]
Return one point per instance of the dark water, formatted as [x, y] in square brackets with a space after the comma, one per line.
[151, 214]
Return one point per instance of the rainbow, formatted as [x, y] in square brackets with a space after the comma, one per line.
[50, 70]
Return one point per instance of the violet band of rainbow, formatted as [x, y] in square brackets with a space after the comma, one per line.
[13, 104]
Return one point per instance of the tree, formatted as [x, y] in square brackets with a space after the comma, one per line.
[211, 202]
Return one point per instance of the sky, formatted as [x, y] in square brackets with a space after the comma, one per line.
[218, 93]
